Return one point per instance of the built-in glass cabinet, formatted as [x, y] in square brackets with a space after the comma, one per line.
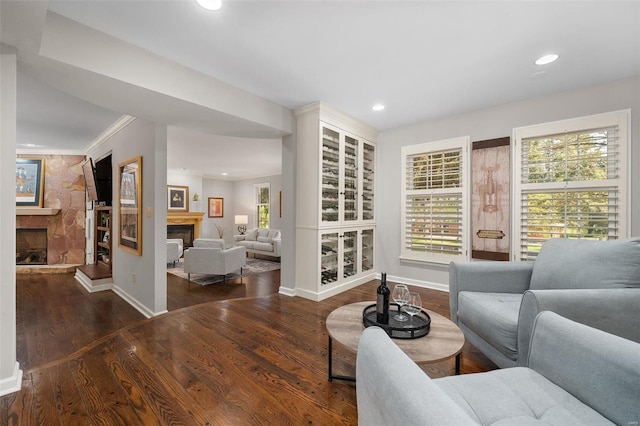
[346, 177]
[335, 189]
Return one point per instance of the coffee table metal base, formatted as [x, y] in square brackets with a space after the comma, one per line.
[333, 377]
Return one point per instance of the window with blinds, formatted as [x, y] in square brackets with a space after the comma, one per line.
[435, 200]
[570, 183]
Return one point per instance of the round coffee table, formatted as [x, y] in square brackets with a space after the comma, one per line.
[444, 341]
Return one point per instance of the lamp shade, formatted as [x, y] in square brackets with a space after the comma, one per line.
[241, 219]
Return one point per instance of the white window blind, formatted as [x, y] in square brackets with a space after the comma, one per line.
[435, 199]
[572, 184]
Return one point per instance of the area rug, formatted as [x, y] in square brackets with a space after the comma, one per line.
[253, 266]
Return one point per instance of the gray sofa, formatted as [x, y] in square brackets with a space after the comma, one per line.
[592, 282]
[574, 375]
[263, 241]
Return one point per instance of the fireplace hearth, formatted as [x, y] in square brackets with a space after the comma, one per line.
[31, 246]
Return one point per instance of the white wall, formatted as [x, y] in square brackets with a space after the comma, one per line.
[195, 186]
[245, 199]
[487, 124]
[218, 189]
[142, 280]
[10, 373]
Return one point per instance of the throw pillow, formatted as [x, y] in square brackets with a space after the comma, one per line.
[263, 232]
[252, 235]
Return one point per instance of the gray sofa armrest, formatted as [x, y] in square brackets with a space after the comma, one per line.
[600, 369]
[392, 389]
[616, 311]
[490, 277]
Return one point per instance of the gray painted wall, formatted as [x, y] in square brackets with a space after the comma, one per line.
[245, 199]
[487, 124]
[147, 291]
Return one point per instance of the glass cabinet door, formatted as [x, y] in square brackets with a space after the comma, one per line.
[350, 179]
[368, 162]
[330, 175]
[329, 258]
[349, 254]
[367, 249]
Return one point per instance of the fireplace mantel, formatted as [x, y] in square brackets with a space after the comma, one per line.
[37, 211]
[186, 218]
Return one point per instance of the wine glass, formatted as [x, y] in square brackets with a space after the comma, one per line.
[401, 297]
[414, 304]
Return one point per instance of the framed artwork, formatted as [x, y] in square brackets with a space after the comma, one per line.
[29, 182]
[490, 222]
[130, 203]
[216, 207]
[177, 198]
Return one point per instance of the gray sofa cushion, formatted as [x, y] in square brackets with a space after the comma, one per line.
[564, 264]
[517, 396]
[494, 317]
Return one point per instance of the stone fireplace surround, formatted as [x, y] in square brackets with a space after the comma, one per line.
[63, 215]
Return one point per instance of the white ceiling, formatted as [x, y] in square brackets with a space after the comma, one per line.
[422, 59]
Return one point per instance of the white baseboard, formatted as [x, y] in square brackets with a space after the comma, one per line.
[318, 296]
[134, 302]
[287, 291]
[417, 283]
[93, 286]
[12, 383]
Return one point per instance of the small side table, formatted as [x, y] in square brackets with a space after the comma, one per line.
[445, 340]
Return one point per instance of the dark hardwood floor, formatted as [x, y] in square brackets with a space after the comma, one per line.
[225, 354]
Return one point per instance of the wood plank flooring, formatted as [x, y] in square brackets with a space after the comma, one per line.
[231, 355]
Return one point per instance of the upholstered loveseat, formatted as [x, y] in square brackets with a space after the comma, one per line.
[260, 241]
[592, 282]
[573, 375]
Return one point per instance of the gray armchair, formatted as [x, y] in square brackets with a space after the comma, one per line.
[174, 250]
[573, 375]
[592, 282]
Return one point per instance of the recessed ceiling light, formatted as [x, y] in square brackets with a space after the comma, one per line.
[377, 107]
[225, 174]
[546, 59]
[210, 4]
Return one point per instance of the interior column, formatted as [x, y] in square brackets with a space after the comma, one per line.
[10, 373]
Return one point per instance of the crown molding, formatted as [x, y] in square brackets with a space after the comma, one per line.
[120, 124]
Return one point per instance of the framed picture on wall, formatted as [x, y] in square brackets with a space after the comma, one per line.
[130, 205]
[177, 198]
[29, 182]
[216, 207]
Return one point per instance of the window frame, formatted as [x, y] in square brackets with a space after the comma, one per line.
[621, 120]
[256, 190]
[463, 144]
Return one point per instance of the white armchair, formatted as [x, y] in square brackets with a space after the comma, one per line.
[214, 261]
[174, 250]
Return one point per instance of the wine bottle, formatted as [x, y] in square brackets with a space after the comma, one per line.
[382, 301]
